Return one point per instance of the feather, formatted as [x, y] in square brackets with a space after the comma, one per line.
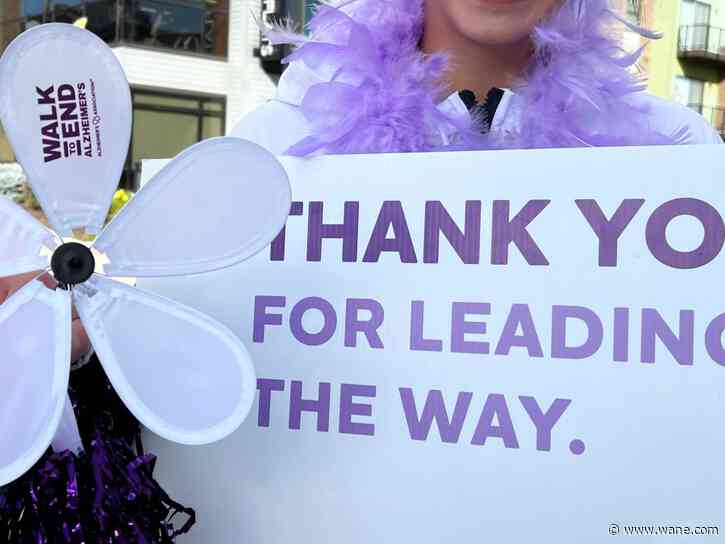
[575, 92]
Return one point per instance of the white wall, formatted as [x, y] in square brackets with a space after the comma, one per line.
[239, 77]
[250, 86]
[173, 71]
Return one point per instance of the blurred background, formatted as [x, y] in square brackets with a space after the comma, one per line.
[197, 66]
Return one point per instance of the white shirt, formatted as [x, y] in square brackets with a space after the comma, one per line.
[279, 124]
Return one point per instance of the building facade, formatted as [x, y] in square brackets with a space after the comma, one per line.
[197, 66]
[194, 66]
[687, 64]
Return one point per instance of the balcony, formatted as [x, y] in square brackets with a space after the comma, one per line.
[185, 26]
[702, 42]
[716, 116]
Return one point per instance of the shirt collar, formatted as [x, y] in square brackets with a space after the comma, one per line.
[454, 107]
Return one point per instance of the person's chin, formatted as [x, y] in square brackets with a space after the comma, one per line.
[495, 34]
[501, 5]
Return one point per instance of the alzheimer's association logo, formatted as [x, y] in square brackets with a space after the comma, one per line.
[65, 124]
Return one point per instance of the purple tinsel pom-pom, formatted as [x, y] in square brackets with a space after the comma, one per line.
[106, 494]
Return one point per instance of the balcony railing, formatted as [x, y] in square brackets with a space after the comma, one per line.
[702, 42]
[716, 116]
[191, 26]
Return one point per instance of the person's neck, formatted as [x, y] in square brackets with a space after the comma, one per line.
[474, 66]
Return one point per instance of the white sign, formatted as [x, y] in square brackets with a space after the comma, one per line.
[518, 346]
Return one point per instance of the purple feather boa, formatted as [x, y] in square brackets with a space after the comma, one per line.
[382, 91]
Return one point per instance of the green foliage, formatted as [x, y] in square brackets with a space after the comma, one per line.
[11, 182]
[29, 201]
[120, 199]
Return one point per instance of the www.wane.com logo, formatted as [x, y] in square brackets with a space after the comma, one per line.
[65, 126]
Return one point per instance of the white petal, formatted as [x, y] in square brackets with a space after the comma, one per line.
[182, 374]
[216, 204]
[21, 239]
[67, 436]
[75, 191]
[34, 368]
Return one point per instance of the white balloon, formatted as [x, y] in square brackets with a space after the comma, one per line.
[65, 105]
[216, 204]
[183, 375]
[35, 348]
[22, 238]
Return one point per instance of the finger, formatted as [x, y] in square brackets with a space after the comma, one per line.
[11, 284]
[16, 282]
[49, 281]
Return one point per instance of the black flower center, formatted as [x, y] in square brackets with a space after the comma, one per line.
[72, 263]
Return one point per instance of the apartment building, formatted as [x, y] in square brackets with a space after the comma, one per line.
[195, 66]
[688, 64]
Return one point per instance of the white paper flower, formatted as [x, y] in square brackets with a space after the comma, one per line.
[66, 108]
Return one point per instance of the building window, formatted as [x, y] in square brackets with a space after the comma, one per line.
[195, 26]
[33, 8]
[165, 124]
[689, 92]
[299, 12]
[694, 12]
[634, 11]
[310, 8]
[198, 26]
[695, 21]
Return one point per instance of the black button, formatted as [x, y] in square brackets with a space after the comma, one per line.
[72, 263]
